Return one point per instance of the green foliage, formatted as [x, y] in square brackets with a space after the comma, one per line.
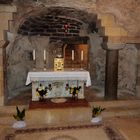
[97, 111]
[20, 114]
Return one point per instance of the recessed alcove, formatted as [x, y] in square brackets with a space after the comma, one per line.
[65, 29]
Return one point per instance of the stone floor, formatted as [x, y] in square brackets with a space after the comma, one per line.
[123, 114]
[129, 127]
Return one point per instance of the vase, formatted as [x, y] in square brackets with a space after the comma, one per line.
[19, 124]
[96, 119]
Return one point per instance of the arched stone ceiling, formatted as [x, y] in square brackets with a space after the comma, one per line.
[53, 19]
[126, 12]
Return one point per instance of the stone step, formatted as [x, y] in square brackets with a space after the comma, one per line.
[117, 112]
[113, 109]
[117, 103]
[8, 110]
[119, 108]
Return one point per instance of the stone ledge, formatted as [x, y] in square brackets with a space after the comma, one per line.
[122, 39]
[113, 46]
[8, 8]
[58, 115]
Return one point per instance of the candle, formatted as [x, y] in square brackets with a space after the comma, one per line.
[47, 57]
[72, 54]
[33, 54]
[44, 54]
[82, 55]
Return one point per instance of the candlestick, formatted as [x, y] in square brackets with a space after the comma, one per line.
[72, 54]
[47, 57]
[82, 56]
[45, 65]
[34, 54]
[44, 55]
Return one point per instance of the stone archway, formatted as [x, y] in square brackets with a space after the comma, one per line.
[110, 32]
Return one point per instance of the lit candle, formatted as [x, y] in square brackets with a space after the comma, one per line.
[72, 54]
[44, 54]
[82, 55]
[33, 54]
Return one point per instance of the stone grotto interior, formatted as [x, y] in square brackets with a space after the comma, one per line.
[61, 58]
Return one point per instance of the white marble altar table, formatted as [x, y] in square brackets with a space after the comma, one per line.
[63, 75]
[58, 80]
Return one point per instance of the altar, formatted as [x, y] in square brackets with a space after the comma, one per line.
[58, 83]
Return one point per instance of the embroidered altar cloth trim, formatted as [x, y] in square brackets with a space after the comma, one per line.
[63, 75]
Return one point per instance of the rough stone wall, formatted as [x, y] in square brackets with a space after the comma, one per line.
[127, 69]
[97, 60]
[126, 12]
[19, 62]
[19, 52]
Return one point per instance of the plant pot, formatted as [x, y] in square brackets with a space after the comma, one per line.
[96, 119]
[19, 124]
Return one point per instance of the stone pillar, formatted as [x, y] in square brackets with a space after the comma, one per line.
[111, 75]
[3, 44]
[111, 71]
[6, 14]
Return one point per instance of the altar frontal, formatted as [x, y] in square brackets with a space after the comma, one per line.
[54, 84]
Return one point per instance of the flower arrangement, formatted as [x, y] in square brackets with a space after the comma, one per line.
[96, 111]
[20, 115]
[73, 90]
[41, 91]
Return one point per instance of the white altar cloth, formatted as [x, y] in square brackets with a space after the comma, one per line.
[56, 75]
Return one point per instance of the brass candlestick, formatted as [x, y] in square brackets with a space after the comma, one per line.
[34, 65]
[45, 65]
[72, 64]
[81, 65]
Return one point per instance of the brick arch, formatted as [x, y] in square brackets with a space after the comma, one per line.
[104, 24]
[55, 18]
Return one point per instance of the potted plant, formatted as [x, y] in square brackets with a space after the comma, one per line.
[19, 116]
[96, 112]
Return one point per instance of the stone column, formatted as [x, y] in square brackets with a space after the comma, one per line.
[111, 75]
[111, 71]
[3, 44]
